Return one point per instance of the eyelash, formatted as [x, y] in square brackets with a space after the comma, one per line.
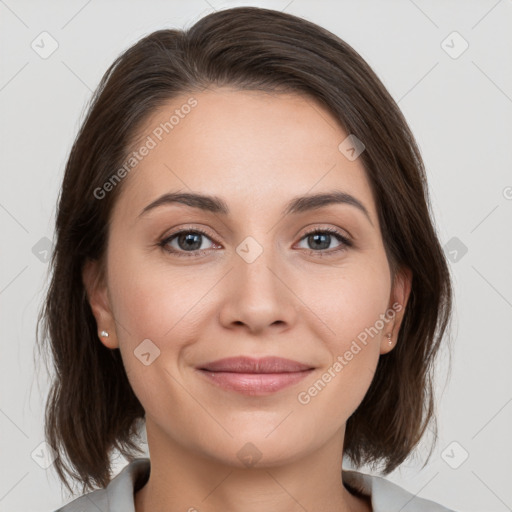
[345, 242]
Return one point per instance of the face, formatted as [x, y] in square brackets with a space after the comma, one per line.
[256, 275]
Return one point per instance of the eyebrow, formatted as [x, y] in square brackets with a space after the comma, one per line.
[217, 205]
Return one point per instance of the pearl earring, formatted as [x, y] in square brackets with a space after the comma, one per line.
[390, 341]
[104, 334]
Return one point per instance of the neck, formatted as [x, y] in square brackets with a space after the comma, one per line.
[184, 480]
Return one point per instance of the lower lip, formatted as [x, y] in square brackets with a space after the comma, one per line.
[255, 383]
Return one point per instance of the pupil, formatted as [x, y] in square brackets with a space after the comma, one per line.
[192, 240]
[326, 238]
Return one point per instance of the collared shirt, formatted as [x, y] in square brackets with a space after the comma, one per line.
[119, 494]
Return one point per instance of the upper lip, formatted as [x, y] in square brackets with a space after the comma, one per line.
[244, 364]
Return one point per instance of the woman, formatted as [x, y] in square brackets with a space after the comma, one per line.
[245, 262]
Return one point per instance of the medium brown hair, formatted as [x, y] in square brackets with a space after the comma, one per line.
[91, 408]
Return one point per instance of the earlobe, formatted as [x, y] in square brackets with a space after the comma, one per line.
[398, 301]
[97, 296]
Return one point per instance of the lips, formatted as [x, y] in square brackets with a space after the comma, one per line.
[255, 377]
[245, 364]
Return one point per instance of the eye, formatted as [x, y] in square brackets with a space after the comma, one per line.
[320, 239]
[189, 242]
[186, 242]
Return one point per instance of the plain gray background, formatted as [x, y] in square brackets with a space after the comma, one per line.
[459, 105]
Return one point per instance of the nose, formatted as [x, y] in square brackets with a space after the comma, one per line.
[257, 295]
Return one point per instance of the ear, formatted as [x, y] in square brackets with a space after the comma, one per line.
[93, 277]
[399, 297]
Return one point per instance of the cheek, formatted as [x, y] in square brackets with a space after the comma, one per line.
[152, 301]
[353, 354]
[352, 301]
[153, 309]
[148, 298]
[352, 307]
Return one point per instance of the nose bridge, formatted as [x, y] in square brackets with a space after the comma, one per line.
[257, 296]
[256, 265]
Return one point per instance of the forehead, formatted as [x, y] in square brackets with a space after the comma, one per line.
[249, 147]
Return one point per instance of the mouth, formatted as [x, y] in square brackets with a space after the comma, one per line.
[252, 376]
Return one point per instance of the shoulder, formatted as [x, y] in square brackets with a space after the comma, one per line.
[119, 493]
[93, 501]
[386, 495]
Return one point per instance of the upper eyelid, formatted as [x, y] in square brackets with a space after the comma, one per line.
[202, 231]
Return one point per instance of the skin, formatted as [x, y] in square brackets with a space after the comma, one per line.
[256, 151]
